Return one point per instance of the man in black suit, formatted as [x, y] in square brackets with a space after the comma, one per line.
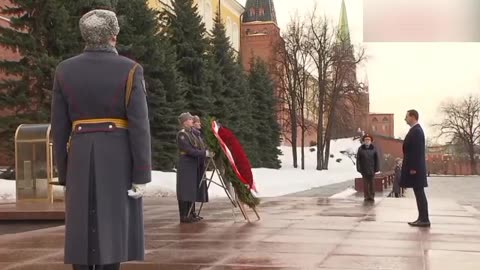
[414, 168]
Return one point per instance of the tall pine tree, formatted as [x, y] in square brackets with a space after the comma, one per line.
[140, 38]
[40, 31]
[186, 32]
[230, 89]
[267, 130]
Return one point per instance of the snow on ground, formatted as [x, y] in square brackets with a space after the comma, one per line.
[7, 190]
[269, 182]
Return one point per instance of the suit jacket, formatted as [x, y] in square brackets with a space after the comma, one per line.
[414, 159]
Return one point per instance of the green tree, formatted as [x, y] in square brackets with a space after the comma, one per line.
[40, 31]
[230, 89]
[264, 113]
[141, 39]
[186, 31]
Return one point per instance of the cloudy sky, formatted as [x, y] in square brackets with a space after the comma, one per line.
[405, 75]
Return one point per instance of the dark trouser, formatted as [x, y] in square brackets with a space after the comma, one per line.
[184, 208]
[115, 266]
[422, 204]
[368, 187]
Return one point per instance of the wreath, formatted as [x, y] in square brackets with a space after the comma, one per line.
[232, 161]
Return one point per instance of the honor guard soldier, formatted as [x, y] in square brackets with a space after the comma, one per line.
[192, 154]
[101, 138]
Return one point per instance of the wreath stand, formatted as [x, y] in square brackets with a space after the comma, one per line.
[227, 187]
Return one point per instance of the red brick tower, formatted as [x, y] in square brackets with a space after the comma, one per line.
[353, 110]
[260, 38]
[259, 32]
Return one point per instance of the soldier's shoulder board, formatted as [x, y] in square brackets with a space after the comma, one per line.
[181, 134]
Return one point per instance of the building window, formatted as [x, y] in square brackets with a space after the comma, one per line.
[385, 119]
[384, 127]
[261, 11]
[374, 128]
[252, 12]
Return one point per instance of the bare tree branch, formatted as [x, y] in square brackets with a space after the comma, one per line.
[461, 123]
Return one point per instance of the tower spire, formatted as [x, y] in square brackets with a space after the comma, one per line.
[259, 10]
[343, 30]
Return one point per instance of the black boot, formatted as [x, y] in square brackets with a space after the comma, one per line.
[115, 266]
[82, 267]
[187, 220]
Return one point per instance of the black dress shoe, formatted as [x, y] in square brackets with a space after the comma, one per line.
[194, 215]
[411, 223]
[187, 220]
[420, 224]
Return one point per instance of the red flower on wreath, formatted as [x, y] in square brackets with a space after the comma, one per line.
[235, 154]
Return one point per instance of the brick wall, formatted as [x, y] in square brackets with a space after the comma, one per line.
[310, 135]
[450, 166]
[389, 146]
[258, 40]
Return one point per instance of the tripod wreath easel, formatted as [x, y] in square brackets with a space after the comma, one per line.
[229, 168]
[209, 178]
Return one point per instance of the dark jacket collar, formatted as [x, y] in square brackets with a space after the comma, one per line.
[364, 146]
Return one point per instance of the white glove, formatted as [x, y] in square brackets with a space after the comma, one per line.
[137, 190]
[209, 154]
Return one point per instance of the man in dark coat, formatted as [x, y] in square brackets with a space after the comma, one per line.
[191, 155]
[368, 166]
[101, 140]
[414, 168]
[202, 192]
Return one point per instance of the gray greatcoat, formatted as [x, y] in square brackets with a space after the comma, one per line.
[103, 225]
[189, 169]
[202, 192]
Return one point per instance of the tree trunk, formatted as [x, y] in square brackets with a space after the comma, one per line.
[303, 141]
[320, 129]
[328, 136]
[293, 126]
[328, 131]
[327, 152]
[473, 162]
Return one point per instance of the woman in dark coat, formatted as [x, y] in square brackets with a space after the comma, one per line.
[202, 193]
[192, 154]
